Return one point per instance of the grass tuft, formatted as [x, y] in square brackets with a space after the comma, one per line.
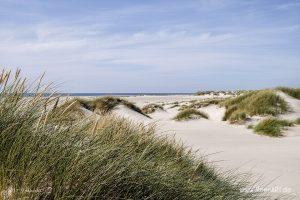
[297, 121]
[205, 103]
[190, 114]
[261, 102]
[151, 108]
[104, 105]
[272, 127]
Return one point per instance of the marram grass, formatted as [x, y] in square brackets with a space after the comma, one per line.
[190, 113]
[205, 103]
[261, 102]
[104, 105]
[44, 157]
[151, 108]
[272, 127]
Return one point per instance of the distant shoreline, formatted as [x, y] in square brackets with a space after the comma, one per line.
[113, 94]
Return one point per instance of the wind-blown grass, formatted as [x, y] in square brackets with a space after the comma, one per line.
[261, 102]
[272, 127]
[104, 105]
[297, 121]
[294, 92]
[68, 112]
[43, 157]
[151, 108]
[205, 103]
[190, 114]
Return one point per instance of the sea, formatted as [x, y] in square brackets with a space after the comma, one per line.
[113, 94]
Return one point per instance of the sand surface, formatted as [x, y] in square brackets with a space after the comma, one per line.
[274, 161]
[294, 105]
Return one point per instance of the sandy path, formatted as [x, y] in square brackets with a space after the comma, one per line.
[294, 105]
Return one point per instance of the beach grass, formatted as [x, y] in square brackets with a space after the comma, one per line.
[205, 103]
[297, 121]
[104, 105]
[42, 157]
[272, 127]
[261, 102]
[293, 92]
[174, 104]
[190, 113]
[67, 112]
[151, 108]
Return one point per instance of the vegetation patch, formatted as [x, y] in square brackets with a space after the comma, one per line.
[272, 127]
[216, 93]
[261, 102]
[174, 104]
[205, 103]
[42, 157]
[151, 108]
[183, 107]
[297, 121]
[293, 92]
[190, 114]
[104, 105]
[70, 108]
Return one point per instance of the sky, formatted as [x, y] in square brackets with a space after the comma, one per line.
[153, 45]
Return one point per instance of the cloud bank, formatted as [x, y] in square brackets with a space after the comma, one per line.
[169, 46]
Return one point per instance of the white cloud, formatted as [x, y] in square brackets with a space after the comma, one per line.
[162, 49]
[94, 46]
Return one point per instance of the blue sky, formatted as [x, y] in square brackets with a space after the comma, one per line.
[153, 46]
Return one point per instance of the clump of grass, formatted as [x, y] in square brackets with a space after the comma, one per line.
[104, 105]
[183, 107]
[294, 92]
[68, 112]
[43, 158]
[151, 108]
[238, 117]
[205, 103]
[250, 126]
[229, 111]
[272, 127]
[297, 121]
[261, 102]
[190, 114]
[174, 104]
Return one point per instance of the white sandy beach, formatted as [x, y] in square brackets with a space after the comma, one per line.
[274, 162]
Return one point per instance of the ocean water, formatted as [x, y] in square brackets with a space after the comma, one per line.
[113, 94]
[125, 94]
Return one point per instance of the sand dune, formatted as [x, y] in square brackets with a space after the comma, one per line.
[275, 161]
[123, 111]
[294, 104]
